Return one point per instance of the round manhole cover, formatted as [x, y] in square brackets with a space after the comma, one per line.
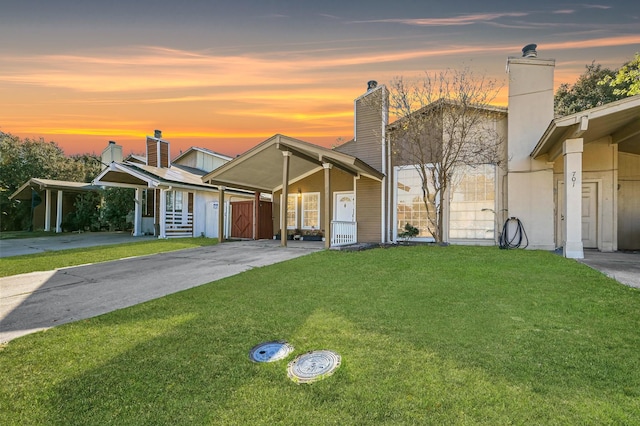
[312, 366]
[270, 351]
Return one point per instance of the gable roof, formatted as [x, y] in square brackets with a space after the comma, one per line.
[260, 168]
[136, 175]
[24, 192]
[205, 151]
[619, 119]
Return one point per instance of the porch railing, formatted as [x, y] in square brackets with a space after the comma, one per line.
[343, 233]
[179, 225]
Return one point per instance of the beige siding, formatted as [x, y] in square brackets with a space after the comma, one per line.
[370, 121]
[368, 210]
[629, 202]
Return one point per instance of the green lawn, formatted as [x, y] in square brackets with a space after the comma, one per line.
[427, 335]
[72, 257]
[12, 235]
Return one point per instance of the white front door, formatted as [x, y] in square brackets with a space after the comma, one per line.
[345, 207]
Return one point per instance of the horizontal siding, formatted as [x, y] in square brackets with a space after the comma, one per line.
[368, 210]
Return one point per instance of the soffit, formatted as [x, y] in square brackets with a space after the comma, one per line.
[620, 120]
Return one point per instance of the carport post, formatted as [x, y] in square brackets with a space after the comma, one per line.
[286, 157]
[47, 211]
[137, 215]
[327, 205]
[221, 214]
[59, 213]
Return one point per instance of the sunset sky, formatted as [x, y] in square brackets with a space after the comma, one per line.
[226, 75]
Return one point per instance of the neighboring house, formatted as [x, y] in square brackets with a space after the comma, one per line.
[171, 199]
[50, 200]
[362, 192]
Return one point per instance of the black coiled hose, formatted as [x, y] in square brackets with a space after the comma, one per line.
[519, 235]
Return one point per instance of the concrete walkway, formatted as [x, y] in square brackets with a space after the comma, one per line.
[623, 267]
[40, 300]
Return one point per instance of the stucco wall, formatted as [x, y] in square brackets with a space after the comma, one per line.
[530, 182]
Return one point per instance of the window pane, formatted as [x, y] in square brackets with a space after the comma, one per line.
[311, 210]
[169, 198]
[178, 201]
[292, 210]
[472, 203]
[411, 207]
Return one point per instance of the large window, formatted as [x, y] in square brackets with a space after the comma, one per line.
[311, 210]
[472, 203]
[410, 204]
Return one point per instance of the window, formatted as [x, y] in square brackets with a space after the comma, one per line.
[472, 203]
[292, 211]
[410, 204]
[174, 201]
[311, 210]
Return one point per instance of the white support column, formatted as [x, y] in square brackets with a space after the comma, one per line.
[163, 214]
[59, 213]
[326, 220]
[286, 158]
[47, 211]
[221, 210]
[137, 214]
[572, 238]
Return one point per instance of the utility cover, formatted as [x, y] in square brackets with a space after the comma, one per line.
[313, 366]
[270, 351]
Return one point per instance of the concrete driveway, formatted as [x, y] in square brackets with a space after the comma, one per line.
[65, 241]
[623, 267]
[40, 300]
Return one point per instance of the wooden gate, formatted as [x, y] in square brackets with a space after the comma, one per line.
[242, 219]
[265, 220]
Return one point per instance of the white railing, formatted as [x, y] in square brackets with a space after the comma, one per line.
[343, 233]
[178, 225]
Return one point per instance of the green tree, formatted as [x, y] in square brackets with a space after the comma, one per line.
[118, 203]
[626, 81]
[587, 92]
[86, 214]
[446, 122]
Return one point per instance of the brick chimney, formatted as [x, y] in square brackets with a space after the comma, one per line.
[158, 150]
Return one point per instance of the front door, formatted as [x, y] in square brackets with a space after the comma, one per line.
[345, 207]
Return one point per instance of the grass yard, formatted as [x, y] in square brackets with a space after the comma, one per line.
[72, 257]
[427, 335]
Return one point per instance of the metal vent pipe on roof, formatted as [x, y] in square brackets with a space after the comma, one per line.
[529, 51]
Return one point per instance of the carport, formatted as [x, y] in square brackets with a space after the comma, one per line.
[60, 192]
[276, 163]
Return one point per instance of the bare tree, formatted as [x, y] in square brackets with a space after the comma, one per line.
[446, 121]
